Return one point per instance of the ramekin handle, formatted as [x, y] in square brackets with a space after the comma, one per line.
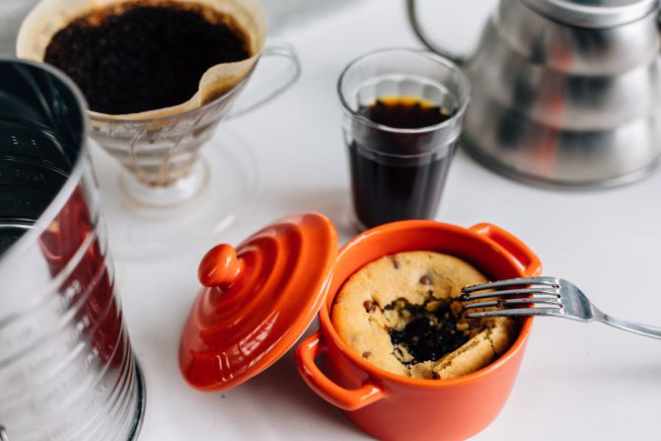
[526, 259]
[347, 399]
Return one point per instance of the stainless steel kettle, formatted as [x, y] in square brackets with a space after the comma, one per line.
[565, 92]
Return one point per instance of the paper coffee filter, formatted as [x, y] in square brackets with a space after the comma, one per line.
[50, 16]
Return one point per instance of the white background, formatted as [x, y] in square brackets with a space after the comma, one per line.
[577, 381]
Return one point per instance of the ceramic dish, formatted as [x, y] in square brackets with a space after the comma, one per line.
[260, 297]
[389, 406]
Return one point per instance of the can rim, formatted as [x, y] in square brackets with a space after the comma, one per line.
[141, 389]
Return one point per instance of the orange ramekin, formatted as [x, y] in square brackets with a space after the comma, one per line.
[393, 407]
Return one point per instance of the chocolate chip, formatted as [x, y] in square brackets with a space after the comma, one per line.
[425, 280]
[369, 305]
[394, 261]
[367, 354]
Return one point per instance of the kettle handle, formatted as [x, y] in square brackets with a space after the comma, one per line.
[411, 9]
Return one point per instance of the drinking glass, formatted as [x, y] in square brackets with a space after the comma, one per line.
[399, 173]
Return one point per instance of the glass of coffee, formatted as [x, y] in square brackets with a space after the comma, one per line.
[403, 111]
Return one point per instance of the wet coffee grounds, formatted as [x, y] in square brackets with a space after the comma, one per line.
[430, 333]
[142, 56]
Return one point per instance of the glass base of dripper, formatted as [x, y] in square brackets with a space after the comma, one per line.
[142, 221]
[181, 192]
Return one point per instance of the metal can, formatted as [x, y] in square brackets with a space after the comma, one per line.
[67, 371]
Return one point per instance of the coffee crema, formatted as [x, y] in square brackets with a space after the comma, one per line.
[139, 56]
[403, 112]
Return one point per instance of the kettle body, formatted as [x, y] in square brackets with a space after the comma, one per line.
[565, 93]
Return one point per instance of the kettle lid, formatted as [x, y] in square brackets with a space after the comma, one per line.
[594, 13]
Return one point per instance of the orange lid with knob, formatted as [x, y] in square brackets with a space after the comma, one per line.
[257, 300]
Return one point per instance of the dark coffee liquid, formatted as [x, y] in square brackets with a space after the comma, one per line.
[387, 185]
[140, 56]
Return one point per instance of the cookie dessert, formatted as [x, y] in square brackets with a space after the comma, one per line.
[402, 314]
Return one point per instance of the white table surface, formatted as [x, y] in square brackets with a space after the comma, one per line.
[577, 381]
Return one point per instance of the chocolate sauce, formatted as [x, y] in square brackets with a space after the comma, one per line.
[429, 335]
[397, 175]
[141, 56]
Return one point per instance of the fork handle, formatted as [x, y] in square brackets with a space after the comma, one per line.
[636, 328]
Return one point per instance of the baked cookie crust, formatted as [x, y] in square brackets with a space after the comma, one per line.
[402, 314]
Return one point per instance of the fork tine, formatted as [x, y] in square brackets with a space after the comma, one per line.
[466, 296]
[518, 312]
[549, 281]
[524, 301]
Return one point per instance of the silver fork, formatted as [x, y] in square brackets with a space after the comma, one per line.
[543, 296]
